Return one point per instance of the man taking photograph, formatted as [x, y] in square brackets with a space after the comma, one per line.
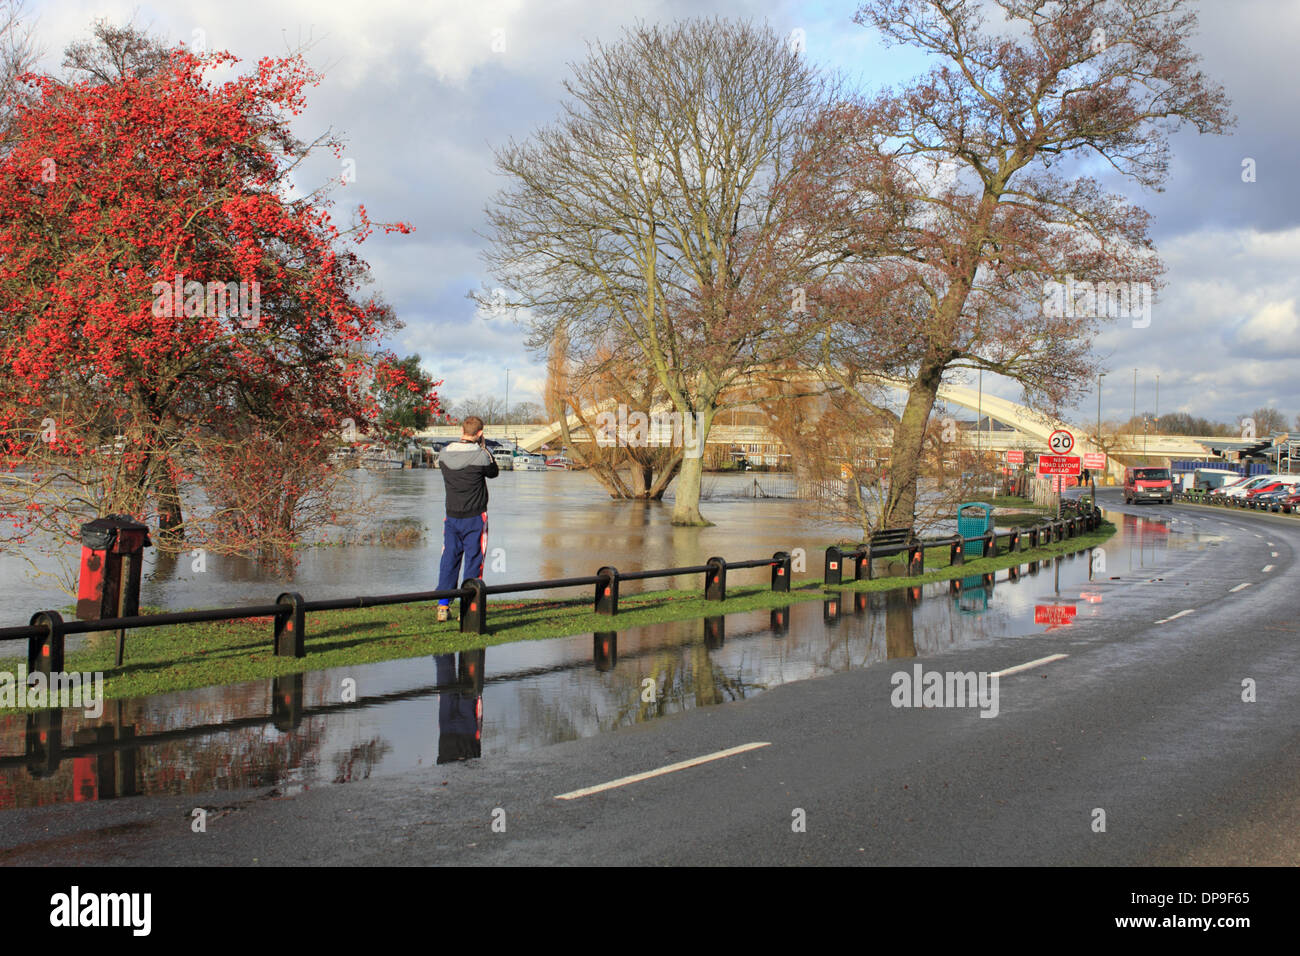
[466, 465]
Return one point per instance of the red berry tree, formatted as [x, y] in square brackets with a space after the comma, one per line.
[167, 304]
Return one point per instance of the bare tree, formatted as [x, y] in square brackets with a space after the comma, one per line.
[18, 55]
[969, 247]
[657, 206]
[628, 466]
[1268, 421]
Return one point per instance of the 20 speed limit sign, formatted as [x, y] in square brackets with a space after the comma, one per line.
[1061, 442]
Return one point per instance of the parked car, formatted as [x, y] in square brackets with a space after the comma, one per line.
[1263, 496]
[1227, 486]
[1290, 503]
[1266, 496]
[1148, 484]
[1239, 489]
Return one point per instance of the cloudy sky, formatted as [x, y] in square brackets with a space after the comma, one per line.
[422, 92]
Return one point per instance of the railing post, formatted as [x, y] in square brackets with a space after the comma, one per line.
[861, 563]
[834, 565]
[607, 591]
[715, 580]
[715, 631]
[473, 607]
[287, 702]
[957, 550]
[290, 626]
[916, 559]
[990, 544]
[781, 571]
[43, 742]
[604, 649]
[45, 654]
[1013, 541]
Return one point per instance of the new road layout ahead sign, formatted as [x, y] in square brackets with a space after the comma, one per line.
[1058, 464]
[1094, 460]
[1054, 615]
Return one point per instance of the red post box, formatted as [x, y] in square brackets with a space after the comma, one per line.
[112, 555]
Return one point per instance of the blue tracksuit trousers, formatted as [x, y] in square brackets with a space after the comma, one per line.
[462, 538]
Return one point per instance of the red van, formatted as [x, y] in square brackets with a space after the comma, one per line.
[1148, 484]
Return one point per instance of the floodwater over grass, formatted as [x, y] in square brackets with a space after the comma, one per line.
[332, 726]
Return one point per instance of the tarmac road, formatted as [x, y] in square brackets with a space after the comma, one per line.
[1143, 719]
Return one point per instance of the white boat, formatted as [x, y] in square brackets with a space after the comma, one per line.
[526, 462]
[380, 456]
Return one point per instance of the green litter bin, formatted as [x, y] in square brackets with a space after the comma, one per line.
[974, 519]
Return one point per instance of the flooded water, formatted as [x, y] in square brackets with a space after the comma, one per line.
[310, 730]
[550, 524]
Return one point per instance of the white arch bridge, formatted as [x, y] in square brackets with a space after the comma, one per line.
[1029, 430]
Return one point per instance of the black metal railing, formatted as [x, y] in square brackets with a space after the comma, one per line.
[46, 631]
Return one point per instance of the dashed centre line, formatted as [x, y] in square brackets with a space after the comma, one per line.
[1267, 568]
[1174, 617]
[671, 768]
[1239, 587]
[1024, 667]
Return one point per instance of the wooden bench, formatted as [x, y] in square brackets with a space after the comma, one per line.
[890, 541]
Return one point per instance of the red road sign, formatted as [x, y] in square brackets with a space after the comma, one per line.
[1015, 457]
[1093, 460]
[1054, 615]
[1061, 442]
[1058, 464]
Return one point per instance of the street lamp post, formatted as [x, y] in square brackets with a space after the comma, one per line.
[1100, 376]
[979, 411]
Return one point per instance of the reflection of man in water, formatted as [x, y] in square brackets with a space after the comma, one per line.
[460, 708]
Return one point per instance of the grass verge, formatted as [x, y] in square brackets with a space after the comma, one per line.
[183, 657]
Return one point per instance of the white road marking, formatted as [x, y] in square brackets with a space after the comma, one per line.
[1272, 554]
[671, 768]
[1259, 536]
[1241, 587]
[1175, 616]
[1267, 568]
[1024, 667]
[1270, 544]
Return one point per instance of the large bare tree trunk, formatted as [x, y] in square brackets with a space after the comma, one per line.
[686, 505]
[909, 443]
